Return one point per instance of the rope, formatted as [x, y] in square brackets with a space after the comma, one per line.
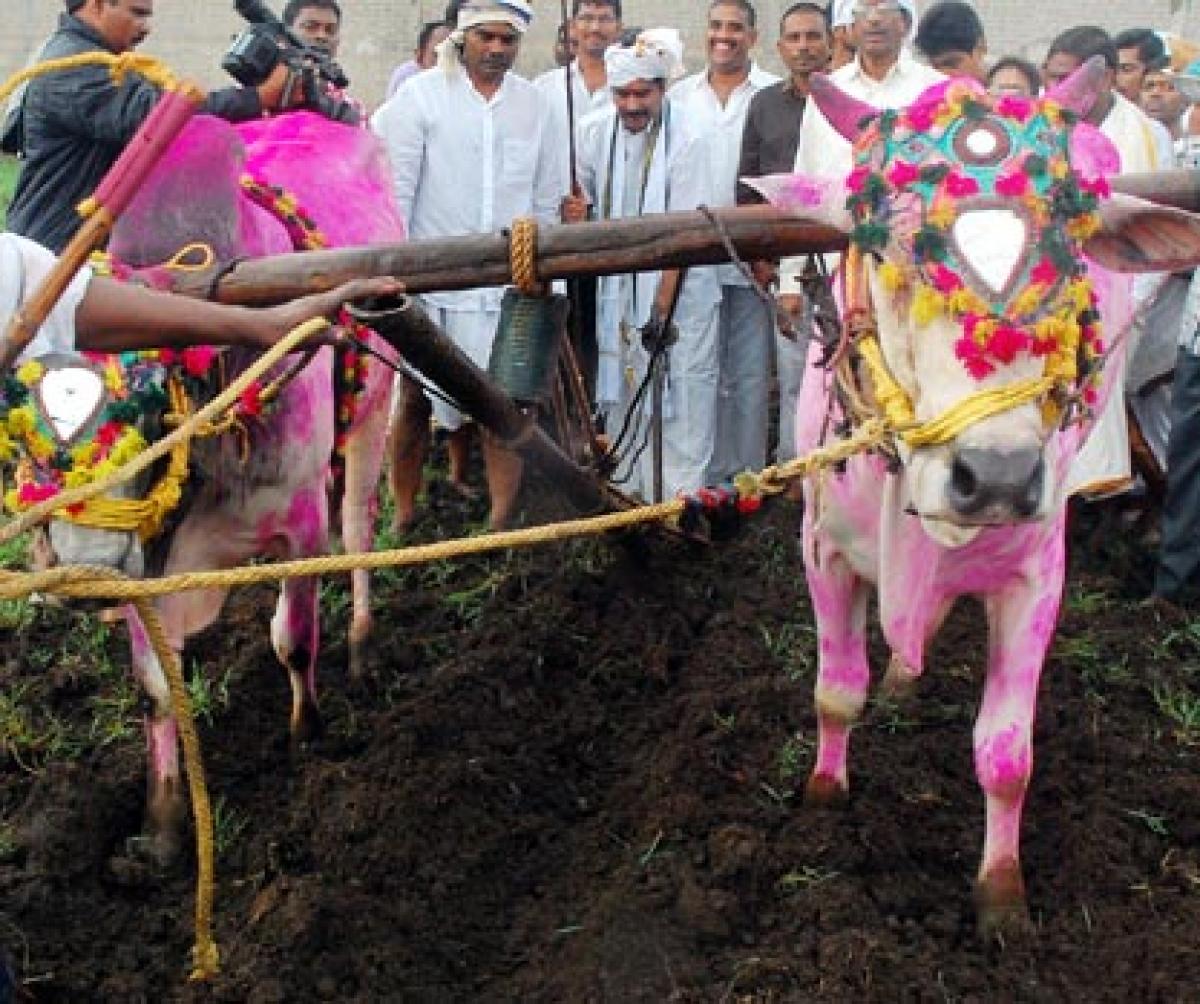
[120, 67]
[206, 957]
[522, 249]
[893, 400]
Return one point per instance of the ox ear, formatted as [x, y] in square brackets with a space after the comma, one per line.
[844, 113]
[1081, 89]
[822, 200]
[1138, 236]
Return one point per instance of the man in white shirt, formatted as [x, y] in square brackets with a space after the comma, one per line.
[714, 103]
[596, 25]
[638, 157]
[1103, 466]
[469, 149]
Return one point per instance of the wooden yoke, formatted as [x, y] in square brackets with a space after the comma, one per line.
[100, 212]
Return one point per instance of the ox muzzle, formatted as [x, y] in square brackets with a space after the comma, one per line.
[992, 486]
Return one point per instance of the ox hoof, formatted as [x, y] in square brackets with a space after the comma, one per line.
[1001, 912]
[307, 728]
[823, 792]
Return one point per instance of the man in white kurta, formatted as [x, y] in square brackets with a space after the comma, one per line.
[714, 103]
[1102, 466]
[597, 23]
[639, 157]
[469, 150]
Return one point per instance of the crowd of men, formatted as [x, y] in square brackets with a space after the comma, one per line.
[474, 146]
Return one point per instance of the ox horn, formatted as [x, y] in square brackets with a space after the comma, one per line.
[1079, 91]
[844, 113]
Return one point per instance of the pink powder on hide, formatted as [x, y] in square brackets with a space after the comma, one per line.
[1003, 761]
[162, 748]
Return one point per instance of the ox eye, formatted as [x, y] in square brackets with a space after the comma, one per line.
[983, 143]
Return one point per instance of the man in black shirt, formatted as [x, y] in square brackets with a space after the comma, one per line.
[75, 123]
[769, 142]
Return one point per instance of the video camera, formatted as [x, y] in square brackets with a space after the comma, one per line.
[258, 50]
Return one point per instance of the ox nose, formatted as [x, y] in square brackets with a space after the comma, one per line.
[996, 485]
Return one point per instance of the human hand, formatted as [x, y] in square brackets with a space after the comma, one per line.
[790, 307]
[271, 324]
[574, 208]
[765, 273]
[275, 93]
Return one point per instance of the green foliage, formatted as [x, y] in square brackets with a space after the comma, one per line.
[805, 877]
[10, 167]
[208, 696]
[228, 826]
[1156, 823]
[1181, 706]
[793, 755]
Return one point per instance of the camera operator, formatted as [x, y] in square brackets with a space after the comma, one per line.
[318, 24]
[74, 124]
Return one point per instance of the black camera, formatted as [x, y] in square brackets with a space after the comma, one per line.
[258, 50]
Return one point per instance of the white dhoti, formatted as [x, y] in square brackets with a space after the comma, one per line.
[473, 331]
[689, 409]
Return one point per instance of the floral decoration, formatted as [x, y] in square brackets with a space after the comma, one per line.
[912, 157]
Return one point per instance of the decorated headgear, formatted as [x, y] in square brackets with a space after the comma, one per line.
[960, 150]
[517, 13]
[656, 54]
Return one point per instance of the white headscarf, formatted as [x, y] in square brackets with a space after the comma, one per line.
[843, 14]
[517, 13]
[656, 54]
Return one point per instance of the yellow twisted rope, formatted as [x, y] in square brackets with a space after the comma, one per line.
[120, 66]
[898, 410]
[523, 255]
[206, 957]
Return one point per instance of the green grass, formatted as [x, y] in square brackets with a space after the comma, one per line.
[9, 168]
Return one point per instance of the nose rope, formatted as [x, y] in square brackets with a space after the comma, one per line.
[893, 400]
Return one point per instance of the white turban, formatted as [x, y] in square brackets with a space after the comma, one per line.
[473, 13]
[656, 54]
[843, 13]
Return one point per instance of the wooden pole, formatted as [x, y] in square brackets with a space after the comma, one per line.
[1179, 189]
[652, 242]
[425, 347]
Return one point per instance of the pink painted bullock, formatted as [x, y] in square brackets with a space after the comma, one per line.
[990, 252]
[274, 498]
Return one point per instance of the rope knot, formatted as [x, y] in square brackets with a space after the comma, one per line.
[523, 255]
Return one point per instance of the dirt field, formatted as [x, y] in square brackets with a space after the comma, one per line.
[573, 777]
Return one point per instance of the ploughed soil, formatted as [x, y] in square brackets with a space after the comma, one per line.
[575, 773]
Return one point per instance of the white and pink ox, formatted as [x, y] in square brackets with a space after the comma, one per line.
[986, 252]
[256, 189]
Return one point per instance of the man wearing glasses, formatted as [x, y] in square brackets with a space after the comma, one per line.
[596, 24]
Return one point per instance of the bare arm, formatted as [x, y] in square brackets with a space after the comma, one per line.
[114, 317]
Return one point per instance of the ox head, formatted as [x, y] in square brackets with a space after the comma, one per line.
[71, 420]
[971, 222]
